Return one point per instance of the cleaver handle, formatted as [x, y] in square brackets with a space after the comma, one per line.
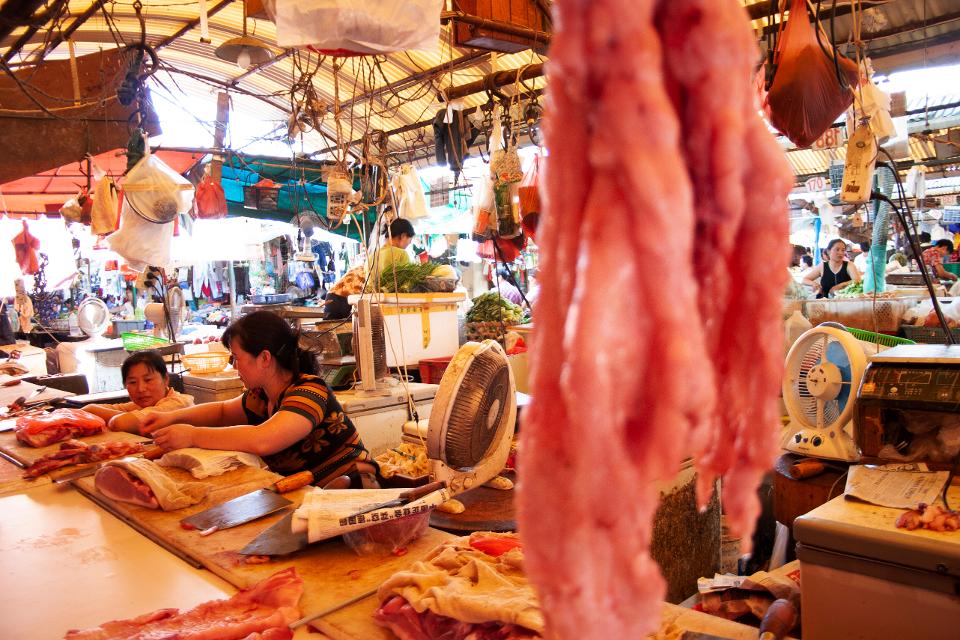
[419, 492]
[294, 482]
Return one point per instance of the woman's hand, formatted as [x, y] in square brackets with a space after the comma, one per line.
[176, 436]
[153, 421]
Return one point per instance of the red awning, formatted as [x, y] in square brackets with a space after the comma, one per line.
[46, 192]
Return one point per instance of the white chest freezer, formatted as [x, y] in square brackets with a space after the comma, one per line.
[862, 577]
[379, 418]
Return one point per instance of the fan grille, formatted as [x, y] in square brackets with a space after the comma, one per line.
[478, 410]
[378, 338]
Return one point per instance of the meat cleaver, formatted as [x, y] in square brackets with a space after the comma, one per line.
[247, 507]
[278, 540]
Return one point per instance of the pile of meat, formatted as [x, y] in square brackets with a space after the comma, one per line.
[933, 517]
[146, 484]
[469, 588]
[664, 254]
[262, 612]
[44, 429]
[79, 452]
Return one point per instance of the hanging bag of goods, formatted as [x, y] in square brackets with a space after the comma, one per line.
[810, 89]
[358, 27]
[103, 216]
[530, 198]
[211, 202]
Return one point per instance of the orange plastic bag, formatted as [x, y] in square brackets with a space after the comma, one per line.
[210, 201]
[530, 198]
[805, 97]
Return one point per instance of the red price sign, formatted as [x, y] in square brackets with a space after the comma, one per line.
[817, 183]
[831, 139]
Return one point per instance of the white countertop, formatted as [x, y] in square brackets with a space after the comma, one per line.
[66, 563]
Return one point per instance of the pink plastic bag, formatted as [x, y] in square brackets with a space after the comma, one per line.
[805, 97]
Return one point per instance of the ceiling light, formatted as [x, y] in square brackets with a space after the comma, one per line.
[246, 51]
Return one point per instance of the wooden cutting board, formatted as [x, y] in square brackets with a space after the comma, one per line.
[12, 481]
[331, 572]
[26, 455]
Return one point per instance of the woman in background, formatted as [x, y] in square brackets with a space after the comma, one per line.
[833, 274]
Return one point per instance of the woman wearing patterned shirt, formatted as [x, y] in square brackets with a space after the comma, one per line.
[288, 415]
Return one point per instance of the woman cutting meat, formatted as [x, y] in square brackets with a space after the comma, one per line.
[148, 385]
[288, 416]
[834, 274]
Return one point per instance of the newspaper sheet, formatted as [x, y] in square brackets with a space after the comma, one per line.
[901, 486]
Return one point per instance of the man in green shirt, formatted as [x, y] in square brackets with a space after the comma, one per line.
[398, 237]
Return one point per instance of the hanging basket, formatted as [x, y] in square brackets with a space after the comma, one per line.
[263, 196]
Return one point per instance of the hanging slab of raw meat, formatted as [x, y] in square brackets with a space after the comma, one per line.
[642, 167]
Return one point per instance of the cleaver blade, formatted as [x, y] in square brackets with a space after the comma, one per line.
[278, 540]
[231, 513]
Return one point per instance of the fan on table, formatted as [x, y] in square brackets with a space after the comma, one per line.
[307, 223]
[474, 414]
[93, 317]
[167, 317]
[823, 370]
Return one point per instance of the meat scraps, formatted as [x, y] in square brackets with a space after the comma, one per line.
[146, 484]
[265, 611]
[44, 429]
[469, 588]
[79, 452]
[655, 144]
[932, 517]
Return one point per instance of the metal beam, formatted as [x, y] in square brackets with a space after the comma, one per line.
[38, 22]
[66, 33]
[16, 14]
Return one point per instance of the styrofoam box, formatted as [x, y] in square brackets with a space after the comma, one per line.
[213, 387]
[418, 325]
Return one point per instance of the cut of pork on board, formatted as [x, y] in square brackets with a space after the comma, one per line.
[642, 167]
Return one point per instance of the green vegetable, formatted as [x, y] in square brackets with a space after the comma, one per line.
[491, 307]
[852, 290]
[405, 278]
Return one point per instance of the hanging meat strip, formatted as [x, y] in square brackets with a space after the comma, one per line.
[740, 181]
[654, 143]
[622, 381]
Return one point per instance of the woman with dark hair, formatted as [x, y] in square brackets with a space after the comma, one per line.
[834, 273]
[288, 415]
[148, 385]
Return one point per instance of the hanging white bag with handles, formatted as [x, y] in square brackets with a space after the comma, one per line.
[345, 27]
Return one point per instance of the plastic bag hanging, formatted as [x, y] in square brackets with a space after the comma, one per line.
[358, 27]
[103, 215]
[409, 193]
[156, 192]
[210, 201]
[806, 96]
[529, 193]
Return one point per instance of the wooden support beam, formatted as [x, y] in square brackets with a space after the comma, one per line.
[38, 22]
[16, 13]
[220, 133]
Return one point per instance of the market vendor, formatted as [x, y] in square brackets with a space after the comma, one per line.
[145, 377]
[933, 259]
[397, 237]
[335, 305]
[833, 274]
[288, 416]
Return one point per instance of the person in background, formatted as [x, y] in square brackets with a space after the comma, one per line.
[288, 415]
[505, 285]
[397, 237]
[862, 261]
[128, 308]
[147, 383]
[833, 274]
[806, 261]
[335, 305]
[933, 259]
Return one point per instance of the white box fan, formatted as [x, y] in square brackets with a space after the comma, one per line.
[822, 373]
[167, 317]
[471, 425]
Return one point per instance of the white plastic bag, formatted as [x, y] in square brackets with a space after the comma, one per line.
[872, 102]
[155, 191]
[103, 216]
[359, 26]
[409, 193]
[139, 242]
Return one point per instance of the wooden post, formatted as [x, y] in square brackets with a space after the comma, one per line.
[223, 120]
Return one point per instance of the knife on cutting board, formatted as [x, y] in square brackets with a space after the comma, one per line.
[247, 507]
[89, 469]
[280, 539]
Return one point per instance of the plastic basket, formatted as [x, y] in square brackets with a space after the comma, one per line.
[928, 335]
[431, 369]
[878, 338]
[140, 341]
[209, 362]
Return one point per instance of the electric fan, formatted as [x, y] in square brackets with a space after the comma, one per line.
[307, 223]
[93, 317]
[473, 418]
[822, 373]
[369, 344]
[167, 316]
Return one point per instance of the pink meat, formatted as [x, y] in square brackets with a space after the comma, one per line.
[79, 452]
[121, 485]
[41, 430]
[404, 621]
[623, 383]
[267, 608]
[740, 180]
[630, 381]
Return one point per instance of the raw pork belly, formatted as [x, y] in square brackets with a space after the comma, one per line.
[79, 452]
[740, 183]
[41, 430]
[654, 144]
[263, 611]
[145, 483]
